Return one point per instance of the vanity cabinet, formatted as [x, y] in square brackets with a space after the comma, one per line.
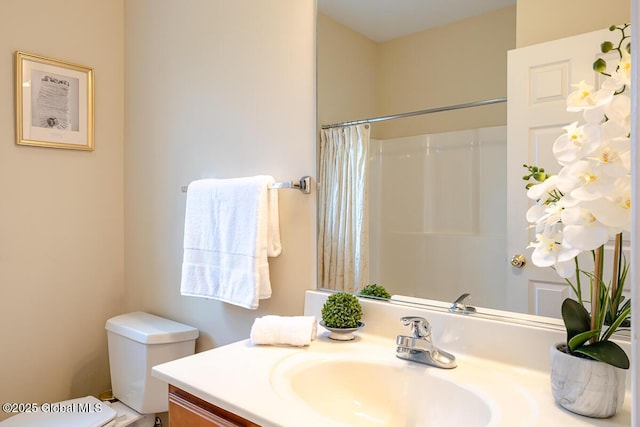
[187, 410]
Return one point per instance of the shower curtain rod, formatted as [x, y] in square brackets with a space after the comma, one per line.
[418, 113]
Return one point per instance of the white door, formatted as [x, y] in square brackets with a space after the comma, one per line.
[539, 79]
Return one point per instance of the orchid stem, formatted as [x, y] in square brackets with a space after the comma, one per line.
[595, 287]
[578, 287]
[616, 275]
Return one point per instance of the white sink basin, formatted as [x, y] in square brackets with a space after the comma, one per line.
[365, 388]
[367, 394]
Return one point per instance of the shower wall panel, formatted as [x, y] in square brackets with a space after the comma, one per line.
[438, 206]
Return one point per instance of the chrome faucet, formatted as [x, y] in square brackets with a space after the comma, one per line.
[459, 305]
[419, 348]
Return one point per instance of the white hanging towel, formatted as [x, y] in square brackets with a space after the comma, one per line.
[231, 226]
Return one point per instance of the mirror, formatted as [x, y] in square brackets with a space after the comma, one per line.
[435, 231]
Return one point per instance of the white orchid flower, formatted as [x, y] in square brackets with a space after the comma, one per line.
[549, 250]
[535, 212]
[585, 98]
[614, 211]
[619, 110]
[612, 129]
[545, 215]
[624, 67]
[542, 190]
[594, 115]
[587, 180]
[613, 157]
[565, 269]
[621, 77]
[582, 230]
[577, 142]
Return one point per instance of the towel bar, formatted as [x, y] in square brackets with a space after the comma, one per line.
[304, 185]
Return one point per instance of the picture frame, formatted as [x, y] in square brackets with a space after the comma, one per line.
[54, 103]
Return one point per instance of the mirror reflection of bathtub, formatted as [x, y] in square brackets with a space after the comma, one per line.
[437, 207]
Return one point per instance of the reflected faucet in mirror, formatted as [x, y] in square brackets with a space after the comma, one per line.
[460, 306]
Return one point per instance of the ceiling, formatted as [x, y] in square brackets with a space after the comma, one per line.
[382, 20]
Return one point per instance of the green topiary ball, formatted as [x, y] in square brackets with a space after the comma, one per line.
[374, 290]
[342, 310]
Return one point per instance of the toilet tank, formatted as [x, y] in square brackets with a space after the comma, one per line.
[137, 342]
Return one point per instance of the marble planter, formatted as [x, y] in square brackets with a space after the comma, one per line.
[586, 387]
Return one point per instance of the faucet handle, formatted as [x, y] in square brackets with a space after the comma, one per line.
[420, 327]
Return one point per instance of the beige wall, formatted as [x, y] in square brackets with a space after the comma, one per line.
[458, 63]
[61, 221]
[216, 88]
[432, 68]
[426, 70]
[537, 24]
[213, 90]
[347, 68]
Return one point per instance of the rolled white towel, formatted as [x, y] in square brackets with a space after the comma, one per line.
[284, 330]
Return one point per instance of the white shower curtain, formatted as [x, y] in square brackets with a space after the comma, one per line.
[343, 231]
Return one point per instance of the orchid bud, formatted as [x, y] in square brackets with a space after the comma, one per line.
[600, 65]
[606, 47]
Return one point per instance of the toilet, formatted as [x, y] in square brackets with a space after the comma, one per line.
[137, 342]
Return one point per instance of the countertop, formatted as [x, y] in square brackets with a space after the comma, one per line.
[238, 377]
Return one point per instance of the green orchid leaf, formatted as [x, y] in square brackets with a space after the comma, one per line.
[579, 340]
[607, 352]
[624, 314]
[576, 318]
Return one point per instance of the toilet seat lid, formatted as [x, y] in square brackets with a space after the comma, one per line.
[85, 412]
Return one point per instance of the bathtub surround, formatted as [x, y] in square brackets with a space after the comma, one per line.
[436, 199]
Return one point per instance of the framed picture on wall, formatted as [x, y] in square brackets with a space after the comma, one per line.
[54, 103]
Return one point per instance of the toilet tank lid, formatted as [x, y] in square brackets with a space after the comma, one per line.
[147, 328]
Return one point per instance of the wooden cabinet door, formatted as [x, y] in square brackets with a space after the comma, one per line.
[186, 410]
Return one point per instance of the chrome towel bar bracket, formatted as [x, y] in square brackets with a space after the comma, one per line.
[304, 185]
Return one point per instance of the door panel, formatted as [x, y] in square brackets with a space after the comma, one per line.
[539, 79]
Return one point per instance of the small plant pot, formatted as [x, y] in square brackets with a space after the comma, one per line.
[341, 334]
[584, 386]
